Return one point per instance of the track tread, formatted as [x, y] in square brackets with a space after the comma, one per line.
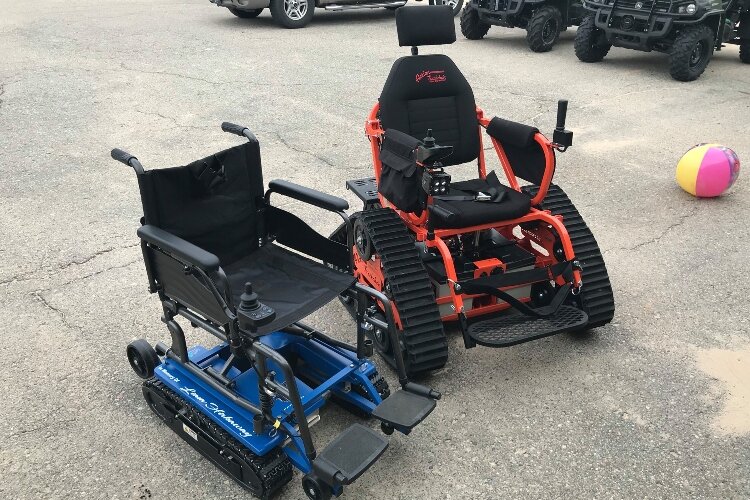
[274, 469]
[424, 341]
[596, 296]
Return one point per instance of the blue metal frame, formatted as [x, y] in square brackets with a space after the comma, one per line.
[328, 368]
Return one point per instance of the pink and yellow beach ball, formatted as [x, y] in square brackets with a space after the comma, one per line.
[708, 170]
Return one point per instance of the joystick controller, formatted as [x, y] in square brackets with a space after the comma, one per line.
[252, 313]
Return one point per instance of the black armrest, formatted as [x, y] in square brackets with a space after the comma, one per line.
[307, 195]
[513, 133]
[179, 248]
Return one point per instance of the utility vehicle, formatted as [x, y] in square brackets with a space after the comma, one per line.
[543, 20]
[687, 30]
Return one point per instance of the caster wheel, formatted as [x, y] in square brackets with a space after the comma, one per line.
[314, 489]
[143, 358]
[386, 428]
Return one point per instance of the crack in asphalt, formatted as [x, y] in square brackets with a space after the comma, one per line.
[172, 119]
[303, 151]
[168, 73]
[60, 313]
[682, 220]
[39, 295]
[96, 273]
[28, 275]
[93, 256]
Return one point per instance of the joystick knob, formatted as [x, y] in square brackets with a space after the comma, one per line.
[249, 299]
[429, 141]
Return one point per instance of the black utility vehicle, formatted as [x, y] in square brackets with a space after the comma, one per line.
[543, 20]
[688, 30]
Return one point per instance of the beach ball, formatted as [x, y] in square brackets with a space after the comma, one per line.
[708, 170]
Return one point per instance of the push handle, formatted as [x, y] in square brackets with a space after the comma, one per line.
[122, 156]
[128, 159]
[562, 112]
[233, 128]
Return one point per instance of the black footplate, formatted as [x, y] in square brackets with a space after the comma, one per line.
[349, 455]
[510, 329]
[404, 410]
[366, 189]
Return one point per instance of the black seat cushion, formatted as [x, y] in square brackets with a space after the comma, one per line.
[430, 92]
[460, 214]
[291, 284]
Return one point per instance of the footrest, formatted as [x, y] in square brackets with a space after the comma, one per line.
[403, 409]
[349, 455]
[511, 329]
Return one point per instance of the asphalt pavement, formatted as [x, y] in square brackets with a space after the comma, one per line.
[654, 405]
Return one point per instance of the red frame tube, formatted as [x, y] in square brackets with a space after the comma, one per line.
[417, 224]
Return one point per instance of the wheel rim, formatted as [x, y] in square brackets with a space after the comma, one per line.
[698, 54]
[295, 9]
[137, 363]
[549, 31]
[381, 337]
[362, 241]
[451, 3]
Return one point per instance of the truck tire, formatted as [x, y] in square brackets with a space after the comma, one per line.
[544, 28]
[292, 14]
[454, 4]
[245, 14]
[745, 51]
[589, 44]
[471, 26]
[691, 53]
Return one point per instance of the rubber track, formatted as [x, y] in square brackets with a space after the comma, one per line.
[274, 469]
[597, 299]
[410, 289]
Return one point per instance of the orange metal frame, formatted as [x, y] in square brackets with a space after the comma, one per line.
[417, 224]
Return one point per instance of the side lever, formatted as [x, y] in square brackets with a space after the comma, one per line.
[562, 138]
[127, 159]
[252, 313]
[238, 130]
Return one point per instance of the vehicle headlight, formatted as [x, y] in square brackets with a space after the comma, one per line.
[691, 8]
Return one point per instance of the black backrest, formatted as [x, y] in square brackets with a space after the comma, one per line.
[429, 91]
[210, 202]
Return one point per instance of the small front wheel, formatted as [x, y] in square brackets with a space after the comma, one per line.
[472, 27]
[142, 358]
[292, 14]
[245, 14]
[544, 28]
[315, 489]
[691, 53]
[590, 44]
[455, 5]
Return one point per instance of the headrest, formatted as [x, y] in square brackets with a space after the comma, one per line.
[419, 25]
